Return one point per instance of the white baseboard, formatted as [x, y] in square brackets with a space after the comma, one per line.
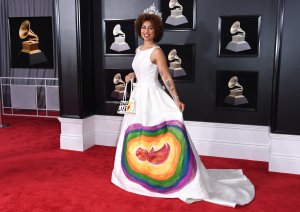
[290, 165]
[106, 139]
[231, 150]
[230, 140]
[107, 130]
[211, 139]
[77, 134]
[77, 143]
[285, 154]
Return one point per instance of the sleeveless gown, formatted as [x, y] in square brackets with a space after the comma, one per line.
[155, 155]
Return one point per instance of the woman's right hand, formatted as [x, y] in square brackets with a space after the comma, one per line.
[129, 77]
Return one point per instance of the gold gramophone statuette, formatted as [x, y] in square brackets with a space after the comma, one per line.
[31, 45]
[235, 96]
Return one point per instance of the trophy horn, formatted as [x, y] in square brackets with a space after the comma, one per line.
[233, 82]
[118, 79]
[236, 27]
[173, 56]
[175, 3]
[117, 31]
[25, 31]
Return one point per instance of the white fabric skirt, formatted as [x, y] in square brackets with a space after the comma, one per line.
[156, 157]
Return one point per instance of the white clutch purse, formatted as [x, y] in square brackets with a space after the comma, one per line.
[127, 106]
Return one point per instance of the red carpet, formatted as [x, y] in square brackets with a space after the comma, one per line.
[35, 175]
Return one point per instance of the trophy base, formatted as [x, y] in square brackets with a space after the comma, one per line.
[120, 39]
[32, 58]
[119, 47]
[238, 46]
[238, 38]
[118, 95]
[177, 72]
[31, 51]
[30, 47]
[176, 20]
[120, 88]
[236, 100]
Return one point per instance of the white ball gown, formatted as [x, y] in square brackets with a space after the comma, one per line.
[155, 155]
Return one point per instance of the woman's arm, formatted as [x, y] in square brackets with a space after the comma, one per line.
[159, 59]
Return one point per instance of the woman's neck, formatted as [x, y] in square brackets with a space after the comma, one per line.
[148, 44]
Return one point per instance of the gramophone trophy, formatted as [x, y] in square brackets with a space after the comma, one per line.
[119, 87]
[238, 42]
[30, 53]
[175, 64]
[235, 96]
[119, 44]
[176, 17]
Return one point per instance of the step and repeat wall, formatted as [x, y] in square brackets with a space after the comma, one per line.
[286, 92]
[220, 55]
[232, 61]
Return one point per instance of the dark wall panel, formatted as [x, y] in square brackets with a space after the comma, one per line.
[97, 43]
[76, 70]
[201, 105]
[68, 48]
[208, 62]
[82, 64]
[286, 114]
[86, 54]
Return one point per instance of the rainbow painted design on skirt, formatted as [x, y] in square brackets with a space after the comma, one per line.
[160, 157]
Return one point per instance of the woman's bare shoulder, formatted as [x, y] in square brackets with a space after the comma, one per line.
[137, 49]
[158, 51]
[158, 56]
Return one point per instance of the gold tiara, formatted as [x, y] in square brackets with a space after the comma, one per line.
[152, 10]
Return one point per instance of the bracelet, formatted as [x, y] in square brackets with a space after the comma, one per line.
[175, 98]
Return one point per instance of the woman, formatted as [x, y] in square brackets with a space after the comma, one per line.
[155, 155]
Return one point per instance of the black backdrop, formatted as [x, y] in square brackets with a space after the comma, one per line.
[82, 64]
[286, 93]
[201, 105]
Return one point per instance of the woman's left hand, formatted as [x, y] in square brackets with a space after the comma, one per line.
[180, 105]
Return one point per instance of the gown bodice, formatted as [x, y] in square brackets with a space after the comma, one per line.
[145, 71]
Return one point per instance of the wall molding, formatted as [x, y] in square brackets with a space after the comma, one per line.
[211, 139]
[77, 134]
[285, 153]
[230, 140]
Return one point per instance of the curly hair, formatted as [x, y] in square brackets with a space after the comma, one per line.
[155, 20]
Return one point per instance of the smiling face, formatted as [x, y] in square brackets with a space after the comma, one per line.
[153, 24]
[147, 31]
